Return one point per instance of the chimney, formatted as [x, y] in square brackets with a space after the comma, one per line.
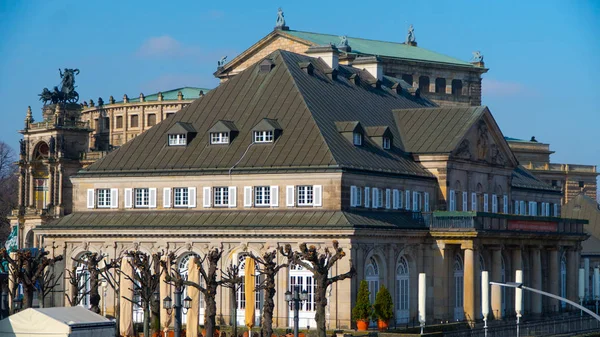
[372, 64]
[328, 53]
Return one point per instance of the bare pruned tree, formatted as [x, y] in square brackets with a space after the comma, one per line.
[50, 281]
[113, 278]
[320, 264]
[78, 289]
[232, 280]
[91, 262]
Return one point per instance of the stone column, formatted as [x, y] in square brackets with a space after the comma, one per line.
[31, 187]
[442, 259]
[496, 276]
[536, 280]
[21, 187]
[572, 275]
[553, 277]
[469, 282]
[51, 182]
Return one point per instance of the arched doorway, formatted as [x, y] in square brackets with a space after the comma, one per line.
[299, 276]
[402, 291]
[83, 277]
[241, 295]
[459, 273]
[183, 271]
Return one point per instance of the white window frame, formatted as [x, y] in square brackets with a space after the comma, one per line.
[505, 204]
[181, 193]
[388, 198]
[522, 207]
[220, 196]
[103, 198]
[367, 197]
[465, 203]
[407, 200]
[517, 204]
[494, 203]
[144, 196]
[305, 195]
[357, 138]
[387, 143]
[177, 139]
[262, 196]
[426, 201]
[263, 136]
[452, 204]
[219, 137]
[486, 202]
[473, 202]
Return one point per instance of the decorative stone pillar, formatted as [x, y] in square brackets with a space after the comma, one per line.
[442, 259]
[469, 282]
[572, 275]
[536, 280]
[31, 187]
[496, 277]
[554, 271]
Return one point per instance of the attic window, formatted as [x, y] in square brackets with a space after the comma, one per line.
[263, 136]
[219, 137]
[357, 138]
[266, 65]
[387, 143]
[177, 139]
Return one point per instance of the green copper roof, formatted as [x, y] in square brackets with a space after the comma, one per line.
[510, 139]
[171, 95]
[381, 48]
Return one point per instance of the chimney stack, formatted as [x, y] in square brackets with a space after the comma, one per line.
[372, 64]
[328, 53]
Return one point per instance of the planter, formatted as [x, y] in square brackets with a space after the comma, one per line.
[362, 325]
[382, 325]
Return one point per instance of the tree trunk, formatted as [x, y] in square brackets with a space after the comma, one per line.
[94, 293]
[155, 309]
[146, 320]
[211, 311]
[268, 308]
[27, 297]
[321, 304]
[233, 311]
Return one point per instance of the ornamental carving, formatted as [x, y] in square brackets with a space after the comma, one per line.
[463, 150]
[497, 157]
[482, 141]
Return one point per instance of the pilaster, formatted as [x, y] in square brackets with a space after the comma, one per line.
[496, 277]
[536, 280]
[553, 277]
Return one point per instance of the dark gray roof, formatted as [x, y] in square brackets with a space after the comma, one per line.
[347, 126]
[223, 126]
[435, 130]
[522, 178]
[181, 127]
[305, 106]
[234, 220]
[267, 124]
[377, 131]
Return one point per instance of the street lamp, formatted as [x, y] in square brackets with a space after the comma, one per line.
[296, 297]
[18, 303]
[169, 306]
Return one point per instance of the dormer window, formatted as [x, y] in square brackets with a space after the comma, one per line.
[219, 138]
[177, 139]
[387, 143]
[263, 136]
[357, 138]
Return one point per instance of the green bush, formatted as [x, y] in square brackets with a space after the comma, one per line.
[384, 306]
[362, 311]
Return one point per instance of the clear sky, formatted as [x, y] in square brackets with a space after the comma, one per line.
[544, 56]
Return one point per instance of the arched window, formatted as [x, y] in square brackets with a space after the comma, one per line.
[457, 87]
[182, 267]
[402, 291]
[459, 312]
[83, 277]
[440, 85]
[424, 84]
[372, 278]
[41, 151]
[241, 294]
[304, 279]
[563, 279]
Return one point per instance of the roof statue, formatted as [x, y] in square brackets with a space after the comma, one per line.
[410, 37]
[477, 57]
[67, 93]
[280, 19]
[221, 62]
[343, 41]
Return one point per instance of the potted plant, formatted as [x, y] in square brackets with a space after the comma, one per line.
[383, 308]
[362, 311]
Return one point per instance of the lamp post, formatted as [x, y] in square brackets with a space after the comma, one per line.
[18, 303]
[581, 288]
[296, 297]
[485, 299]
[178, 306]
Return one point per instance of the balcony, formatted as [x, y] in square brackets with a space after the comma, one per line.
[482, 221]
[63, 124]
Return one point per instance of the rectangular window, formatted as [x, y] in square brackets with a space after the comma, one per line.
[305, 195]
[263, 136]
[581, 184]
[262, 196]
[505, 204]
[151, 119]
[103, 197]
[494, 203]
[119, 122]
[106, 123]
[177, 139]
[387, 143]
[181, 197]
[522, 208]
[357, 138]
[452, 201]
[473, 202]
[134, 121]
[142, 197]
[465, 202]
[219, 137]
[169, 114]
[221, 196]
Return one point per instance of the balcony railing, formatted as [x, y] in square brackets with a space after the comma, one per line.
[49, 124]
[456, 221]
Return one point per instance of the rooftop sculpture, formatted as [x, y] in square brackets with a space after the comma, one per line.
[410, 37]
[280, 19]
[221, 62]
[477, 57]
[67, 93]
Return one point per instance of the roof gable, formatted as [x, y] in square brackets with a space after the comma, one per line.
[378, 131]
[223, 126]
[181, 127]
[267, 124]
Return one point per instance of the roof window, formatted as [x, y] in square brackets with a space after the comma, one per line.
[180, 134]
[177, 139]
[263, 136]
[223, 132]
[266, 131]
[380, 135]
[357, 138]
[219, 137]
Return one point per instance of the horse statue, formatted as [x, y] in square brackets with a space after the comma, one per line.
[67, 93]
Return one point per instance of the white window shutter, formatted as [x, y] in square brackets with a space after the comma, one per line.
[400, 195]
[114, 198]
[505, 204]
[247, 196]
[274, 196]
[192, 197]
[426, 196]
[516, 210]
[407, 200]
[465, 202]
[396, 195]
[166, 197]
[128, 196]
[90, 198]
[494, 203]
[152, 197]
[474, 202]
[452, 201]
[486, 202]
[289, 196]
[206, 197]
[367, 197]
[318, 195]
[232, 197]
[415, 201]
[388, 199]
[352, 196]
[374, 203]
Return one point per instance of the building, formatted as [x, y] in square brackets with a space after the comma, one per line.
[302, 149]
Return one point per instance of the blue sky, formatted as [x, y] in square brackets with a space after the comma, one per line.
[543, 55]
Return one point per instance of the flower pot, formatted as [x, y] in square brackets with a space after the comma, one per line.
[362, 325]
[382, 325]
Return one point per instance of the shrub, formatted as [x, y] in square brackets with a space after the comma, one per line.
[362, 311]
[384, 306]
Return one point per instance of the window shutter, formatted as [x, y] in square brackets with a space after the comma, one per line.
[114, 198]
[516, 210]
[90, 198]
[400, 194]
[274, 196]
[289, 196]
[474, 202]
[555, 210]
[494, 203]
[247, 196]
[388, 199]
[547, 209]
[415, 201]
[232, 196]
[505, 204]
[128, 197]
[452, 200]
[318, 195]
[152, 197]
[407, 200]
[367, 197]
[486, 202]
[206, 197]
[192, 197]
[522, 207]
[395, 194]
[465, 202]
[426, 196]
[166, 197]
[374, 201]
[352, 196]
[358, 196]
